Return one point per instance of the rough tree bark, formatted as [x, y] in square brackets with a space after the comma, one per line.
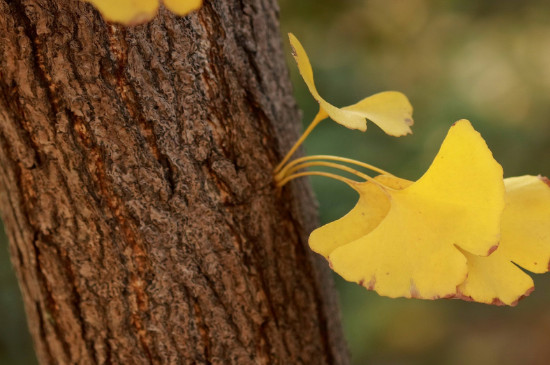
[136, 189]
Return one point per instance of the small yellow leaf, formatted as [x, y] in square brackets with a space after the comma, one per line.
[525, 241]
[182, 7]
[390, 110]
[129, 12]
[413, 251]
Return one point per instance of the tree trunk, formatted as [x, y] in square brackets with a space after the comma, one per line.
[136, 189]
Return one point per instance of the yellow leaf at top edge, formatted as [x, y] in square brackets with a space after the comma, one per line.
[182, 7]
[413, 252]
[525, 241]
[390, 110]
[128, 12]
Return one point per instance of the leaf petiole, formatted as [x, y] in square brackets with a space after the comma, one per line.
[291, 174]
[327, 164]
[321, 115]
[349, 182]
[290, 165]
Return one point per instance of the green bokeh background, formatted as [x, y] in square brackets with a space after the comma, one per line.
[487, 61]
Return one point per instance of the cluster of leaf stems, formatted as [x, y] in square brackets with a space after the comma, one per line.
[287, 171]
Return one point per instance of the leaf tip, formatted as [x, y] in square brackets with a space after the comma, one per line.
[544, 179]
[293, 40]
[464, 122]
[526, 294]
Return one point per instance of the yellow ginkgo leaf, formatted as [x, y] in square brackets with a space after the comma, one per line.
[133, 12]
[414, 250]
[371, 208]
[525, 241]
[182, 7]
[390, 110]
[494, 279]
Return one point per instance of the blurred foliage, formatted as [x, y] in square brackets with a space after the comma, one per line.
[487, 61]
[15, 342]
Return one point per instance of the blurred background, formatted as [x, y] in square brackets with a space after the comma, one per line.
[487, 61]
